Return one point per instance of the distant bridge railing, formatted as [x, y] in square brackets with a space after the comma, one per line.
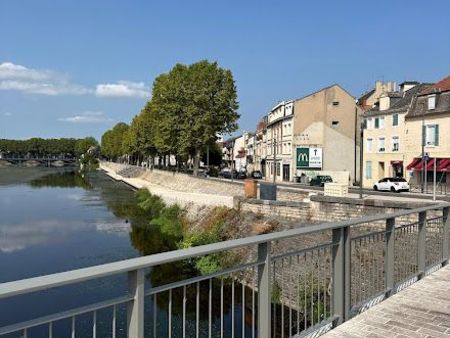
[298, 282]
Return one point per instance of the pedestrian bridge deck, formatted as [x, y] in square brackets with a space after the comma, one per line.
[421, 310]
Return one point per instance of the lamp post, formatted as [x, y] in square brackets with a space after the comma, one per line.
[274, 160]
[361, 155]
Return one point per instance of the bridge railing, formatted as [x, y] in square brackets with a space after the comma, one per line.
[291, 283]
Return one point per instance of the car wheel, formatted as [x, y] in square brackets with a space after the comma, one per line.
[375, 188]
[393, 189]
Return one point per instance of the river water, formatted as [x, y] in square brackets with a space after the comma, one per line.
[57, 220]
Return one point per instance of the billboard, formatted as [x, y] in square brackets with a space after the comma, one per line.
[309, 158]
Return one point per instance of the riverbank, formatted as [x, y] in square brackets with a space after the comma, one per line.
[170, 196]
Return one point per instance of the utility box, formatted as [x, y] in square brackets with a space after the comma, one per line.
[335, 189]
[250, 188]
[268, 191]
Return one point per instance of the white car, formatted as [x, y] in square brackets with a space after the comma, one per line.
[394, 184]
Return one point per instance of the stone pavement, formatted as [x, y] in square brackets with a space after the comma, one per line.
[421, 310]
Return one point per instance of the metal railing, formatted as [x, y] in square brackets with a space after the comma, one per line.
[293, 283]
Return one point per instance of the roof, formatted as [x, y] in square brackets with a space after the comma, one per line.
[366, 95]
[400, 105]
[325, 88]
[441, 86]
[419, 107]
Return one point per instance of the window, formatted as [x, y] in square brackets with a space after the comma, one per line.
[395, 120]
[368, 170]
[369, 145]
[334, 124]
[381, 122]
[335, 103]
[395, 143]
[381, 144]
[431, 102]
[369, 123]
[431, 135]
[377, 123]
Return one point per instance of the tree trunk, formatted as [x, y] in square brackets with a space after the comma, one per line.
[196, 161]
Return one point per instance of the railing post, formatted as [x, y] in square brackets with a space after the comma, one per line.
[389, 255]
[135, 313]
[264, 291]
[446, 234]
[341, 274]
[421, 243]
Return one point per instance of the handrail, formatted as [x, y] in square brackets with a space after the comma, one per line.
[34, 284]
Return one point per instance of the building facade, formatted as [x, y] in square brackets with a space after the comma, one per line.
[427, 131]
[279, 134]
[384, 134]
[326, 135]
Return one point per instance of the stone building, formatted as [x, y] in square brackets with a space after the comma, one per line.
[279, 160]
[427, 132]
[384, 134]
[326, 135]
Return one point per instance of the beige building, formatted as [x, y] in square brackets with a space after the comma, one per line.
[279, 142]
[427, 132]
[372, 97]
[384, 134]
[326, 133]
[261, 146]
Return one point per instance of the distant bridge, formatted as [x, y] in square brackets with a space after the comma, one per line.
[43, 161]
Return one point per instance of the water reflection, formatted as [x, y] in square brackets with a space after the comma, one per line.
[64, 179]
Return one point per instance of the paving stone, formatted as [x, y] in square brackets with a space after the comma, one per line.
[420, 311]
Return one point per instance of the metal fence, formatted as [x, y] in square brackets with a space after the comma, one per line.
[297, 282]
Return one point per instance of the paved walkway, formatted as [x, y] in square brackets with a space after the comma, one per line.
[421, 310]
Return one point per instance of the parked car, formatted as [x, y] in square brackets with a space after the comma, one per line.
[320, 180]
[226, 173]
[394, 184]
[242, 175]
[256, 174]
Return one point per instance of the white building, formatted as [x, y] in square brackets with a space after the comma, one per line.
[280, 126]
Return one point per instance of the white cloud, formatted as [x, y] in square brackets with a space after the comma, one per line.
[43, 82]
[46, 82]
[123, 89]
[87, 117]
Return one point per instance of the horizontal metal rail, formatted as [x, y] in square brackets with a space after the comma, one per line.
[297, 291]
[80, 275]
[65, 314]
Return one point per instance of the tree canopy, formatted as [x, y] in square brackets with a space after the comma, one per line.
[190, 105]
[39, 147]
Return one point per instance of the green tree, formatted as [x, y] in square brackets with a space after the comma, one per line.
[112, 141]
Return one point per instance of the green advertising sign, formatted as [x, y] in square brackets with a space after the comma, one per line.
[302, 157]
[309, 158]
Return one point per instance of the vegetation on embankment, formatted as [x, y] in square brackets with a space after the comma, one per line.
[170, 227]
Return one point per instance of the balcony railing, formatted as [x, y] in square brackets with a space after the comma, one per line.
[291, 283]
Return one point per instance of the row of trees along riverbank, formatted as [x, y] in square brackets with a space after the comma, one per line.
[42, 148]
[190, 105]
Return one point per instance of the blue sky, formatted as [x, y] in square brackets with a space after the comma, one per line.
[75, 68]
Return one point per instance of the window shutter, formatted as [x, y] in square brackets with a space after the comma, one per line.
[424, 131]
[436, 135]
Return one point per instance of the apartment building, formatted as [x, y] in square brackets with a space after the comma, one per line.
[261, 146]
[326, 135]
[427, 130]
[384, 134]
[279, 149]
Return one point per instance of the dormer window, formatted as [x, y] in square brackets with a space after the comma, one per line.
[432, 102]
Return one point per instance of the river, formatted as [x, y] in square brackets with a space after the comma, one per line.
[54, 220]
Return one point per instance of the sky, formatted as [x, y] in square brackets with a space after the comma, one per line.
[75, 68]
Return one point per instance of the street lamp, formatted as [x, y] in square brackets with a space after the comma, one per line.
[361, 155]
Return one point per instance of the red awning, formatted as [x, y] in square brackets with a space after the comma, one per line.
[430, 164]
[413, 163]
[418, 166]
[444, 165]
